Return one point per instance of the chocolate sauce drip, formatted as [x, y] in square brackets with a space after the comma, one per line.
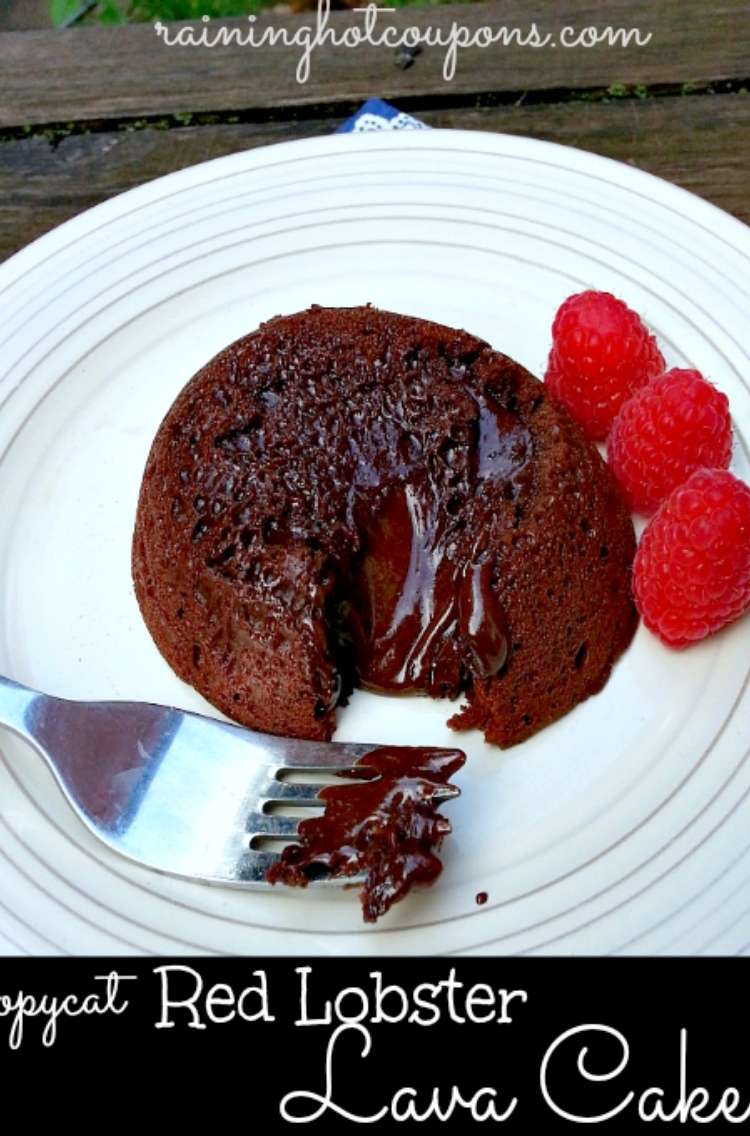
[504, 445]
[385, 825]
[425, 615]
[423, 620]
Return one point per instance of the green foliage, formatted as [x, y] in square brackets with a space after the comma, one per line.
[62, 10]
[189, 9]
[110, 13]
[625, 91]
[122, 11]
[618, 90]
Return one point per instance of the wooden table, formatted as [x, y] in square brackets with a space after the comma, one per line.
[89, 112]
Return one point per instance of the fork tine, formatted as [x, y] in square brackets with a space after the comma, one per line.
[293, 754]
[271, 824]
[292, 793]
[254, 865]
[445, 793]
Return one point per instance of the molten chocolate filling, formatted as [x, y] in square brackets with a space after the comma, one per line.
[423, 616]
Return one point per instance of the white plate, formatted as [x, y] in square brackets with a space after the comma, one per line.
[624, 827]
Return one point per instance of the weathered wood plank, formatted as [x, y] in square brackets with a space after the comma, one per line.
[698, 142]
[98, 72]
[20, 15]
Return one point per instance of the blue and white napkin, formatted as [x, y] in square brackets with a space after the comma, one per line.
[378, 115]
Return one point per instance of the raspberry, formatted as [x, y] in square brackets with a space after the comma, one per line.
[691, 573]
[601, 354]
[668, 429]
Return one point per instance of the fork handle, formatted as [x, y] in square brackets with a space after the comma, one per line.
[16, 702]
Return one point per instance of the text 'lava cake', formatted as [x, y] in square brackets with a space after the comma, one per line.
[349, 497]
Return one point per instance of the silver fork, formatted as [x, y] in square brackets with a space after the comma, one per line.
[176, 791]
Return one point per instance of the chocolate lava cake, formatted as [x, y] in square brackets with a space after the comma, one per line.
[348, 497]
